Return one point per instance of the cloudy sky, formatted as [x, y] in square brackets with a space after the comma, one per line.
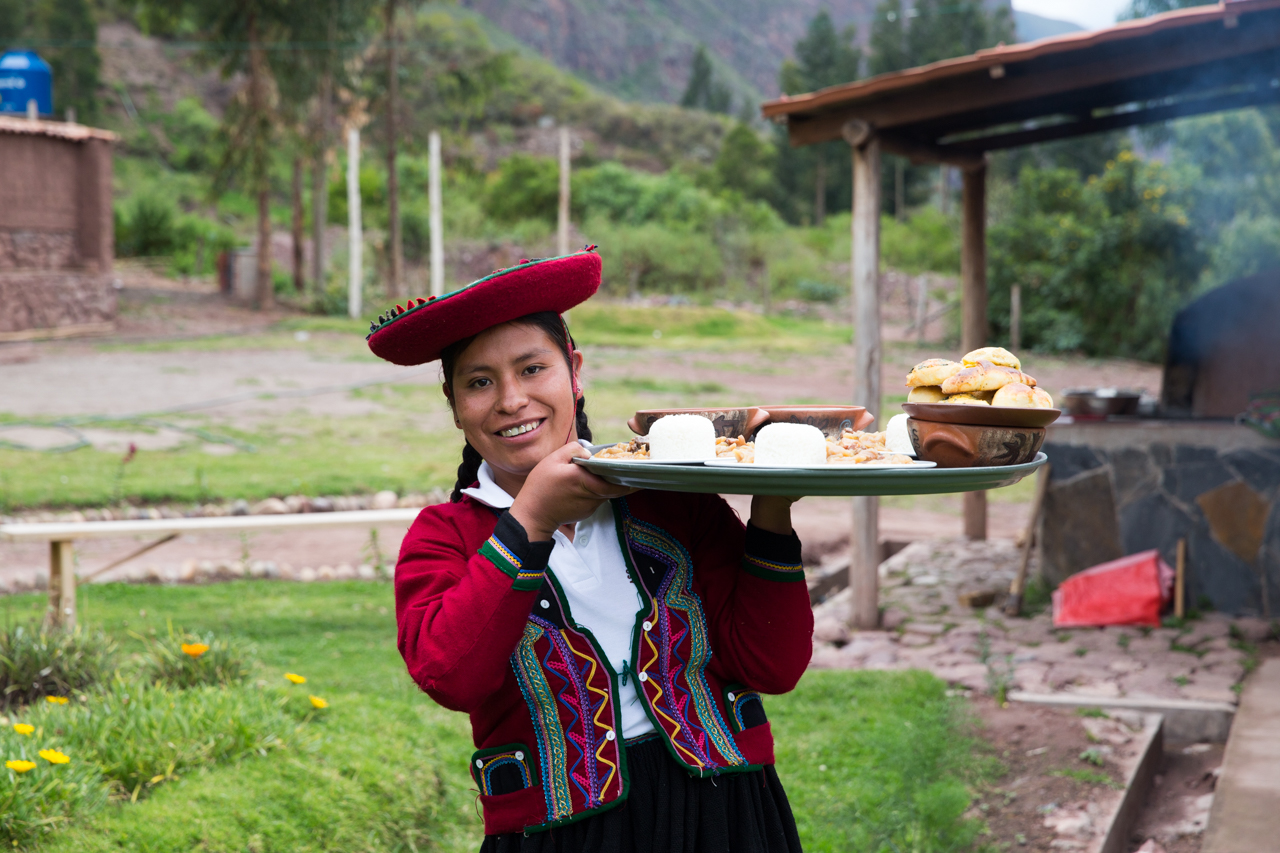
[1090, 14]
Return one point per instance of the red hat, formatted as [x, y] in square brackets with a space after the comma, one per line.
[417, 334]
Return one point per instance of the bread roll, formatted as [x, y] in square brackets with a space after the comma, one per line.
[1042, 398]
[998, 356]
[983, 376]
[932, 371]
[926, 394]
[1017, 395]
[966, 400]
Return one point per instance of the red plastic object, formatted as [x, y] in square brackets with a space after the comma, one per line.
[1129, 591]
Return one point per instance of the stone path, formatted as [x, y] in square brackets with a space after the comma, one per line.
[927, 627]
[1245, 817]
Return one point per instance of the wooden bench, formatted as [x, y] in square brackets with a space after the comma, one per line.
[61, 537]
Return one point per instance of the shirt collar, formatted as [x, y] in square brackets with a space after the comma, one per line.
[490, 493]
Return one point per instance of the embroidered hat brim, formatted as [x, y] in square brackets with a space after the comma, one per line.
[419, 333]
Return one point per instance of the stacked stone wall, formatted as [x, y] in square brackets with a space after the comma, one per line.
[51, 299]
[1224, 500]
[38, 250]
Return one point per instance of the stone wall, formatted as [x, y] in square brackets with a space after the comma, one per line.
[38, 250]
[49, 300]
[1119, 489]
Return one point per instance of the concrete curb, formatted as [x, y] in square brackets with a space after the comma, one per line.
[1137, 787]
[1184, 719]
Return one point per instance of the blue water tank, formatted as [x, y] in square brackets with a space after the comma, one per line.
[24, 76]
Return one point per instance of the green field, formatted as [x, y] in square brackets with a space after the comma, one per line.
[871, 761]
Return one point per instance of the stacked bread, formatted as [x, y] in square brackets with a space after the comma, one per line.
[990, 376]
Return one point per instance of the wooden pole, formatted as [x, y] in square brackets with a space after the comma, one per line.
[320, 178]
[1180, 581]
[395, 268]
[864, 563]
[436, 223]
[299, 262]
[562, 231]
[62, 586]
[1013, 606]
[355, 236]
[1015, 317]
[973, 329]
[922, 306]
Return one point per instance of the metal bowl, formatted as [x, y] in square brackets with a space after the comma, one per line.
[1100, 402]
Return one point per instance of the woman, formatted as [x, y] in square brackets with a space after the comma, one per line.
[610, 646]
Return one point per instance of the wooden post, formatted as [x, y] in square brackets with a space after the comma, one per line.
[62, 586]
[922, 307]
[562, 231]
[436, 223]
[864, 563]
[1015, 317]
[1180, 581]
[395, 245]
[973, 329]
[355, 236]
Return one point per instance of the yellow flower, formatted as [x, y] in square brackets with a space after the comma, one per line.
[54, 757]
[56, 700]
[194, 649]
[295, 678]
[317, 702]
[20, 766]
[23, 728]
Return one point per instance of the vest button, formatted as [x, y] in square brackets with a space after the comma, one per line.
[479, 763]
[519, 755]
[730, 697]
[648, 626]
[546, 605]
[644, 676]
[609, 735]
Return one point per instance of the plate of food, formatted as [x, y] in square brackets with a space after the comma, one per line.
[987, 387]
[787, 459]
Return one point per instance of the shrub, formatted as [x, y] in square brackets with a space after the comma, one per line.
[145, 227]
[186, 660]
[35, 664]
[524, 187]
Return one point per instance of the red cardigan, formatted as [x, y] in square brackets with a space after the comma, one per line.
[484, 629]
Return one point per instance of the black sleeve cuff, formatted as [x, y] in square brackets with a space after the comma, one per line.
[511, 551]
[772, 556]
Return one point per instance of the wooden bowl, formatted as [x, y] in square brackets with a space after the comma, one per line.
[729, 423]
[969, 446]
[832, 420]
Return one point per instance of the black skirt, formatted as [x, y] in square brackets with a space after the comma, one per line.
[670, 811]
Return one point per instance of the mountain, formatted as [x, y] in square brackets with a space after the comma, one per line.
[641, 50]
[1031, 27]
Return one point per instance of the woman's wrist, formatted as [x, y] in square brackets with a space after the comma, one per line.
[772, 513]
[536, 529]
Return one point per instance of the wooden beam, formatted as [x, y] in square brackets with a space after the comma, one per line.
[62, 586]
[921, 152]
[1199, 106]
[864, 565]
[973, 306]
[976, 90]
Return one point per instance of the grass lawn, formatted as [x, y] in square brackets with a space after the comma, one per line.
[871, 761]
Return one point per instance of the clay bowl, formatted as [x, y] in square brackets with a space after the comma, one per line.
[969, 446]
[729, 423]
[996, 416]
[832, 420]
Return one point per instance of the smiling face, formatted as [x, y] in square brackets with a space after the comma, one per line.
[513, 398]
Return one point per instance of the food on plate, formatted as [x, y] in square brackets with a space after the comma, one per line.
[967, 400]
[897, 438]
[1043, 400]
[998, 356]
[1022, 396]
[932, 371]
[926, 394]
[682, 437]
[737, 449]
[792, 445]
[983, 376]
[625, 451]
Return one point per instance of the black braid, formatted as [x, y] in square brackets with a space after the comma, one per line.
[547, 321]
[468, 471]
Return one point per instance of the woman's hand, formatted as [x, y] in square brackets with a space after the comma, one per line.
[772, 513]
[557, 492]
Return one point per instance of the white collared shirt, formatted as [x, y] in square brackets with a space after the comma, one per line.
[593, 574]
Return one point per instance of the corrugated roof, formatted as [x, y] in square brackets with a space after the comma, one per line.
[1008, 54]
[55, 129]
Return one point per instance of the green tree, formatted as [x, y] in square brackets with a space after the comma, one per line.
[1146, 8]
[703, 91]
[73, 55]
[745, 165]
[824, 57]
